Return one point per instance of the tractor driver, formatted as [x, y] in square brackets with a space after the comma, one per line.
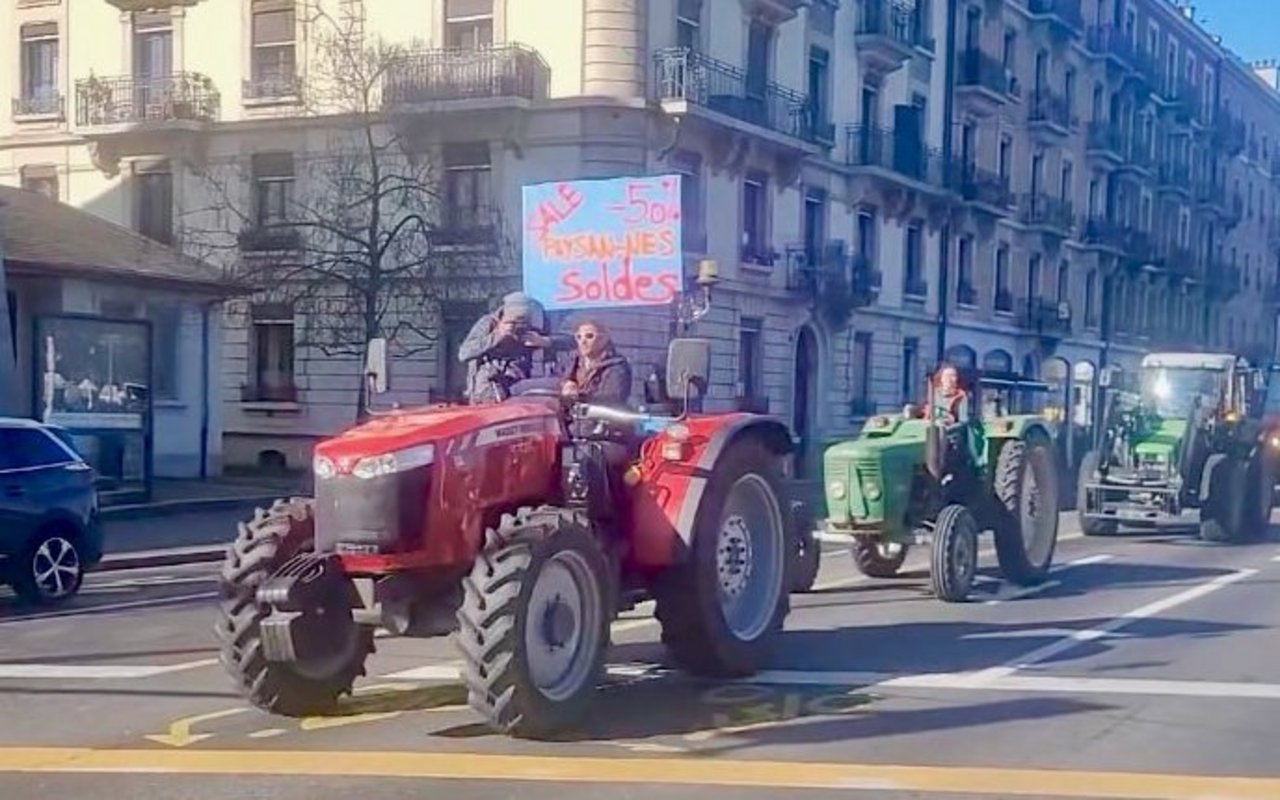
[498, 351]
[950, 406]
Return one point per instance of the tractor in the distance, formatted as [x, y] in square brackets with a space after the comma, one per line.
[522, 527]
[1189, 440]
[908, 480]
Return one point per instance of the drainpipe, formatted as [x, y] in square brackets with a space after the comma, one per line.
[948, 101]
[204, 388]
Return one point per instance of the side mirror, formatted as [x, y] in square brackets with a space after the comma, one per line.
[375, 365]
[688, 366]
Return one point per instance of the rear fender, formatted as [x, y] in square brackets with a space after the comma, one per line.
[669, 492]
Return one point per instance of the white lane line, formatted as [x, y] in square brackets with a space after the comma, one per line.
[96, 671]
[1111, 626]
[1276, 558]
[110, 607]
[1031, 591]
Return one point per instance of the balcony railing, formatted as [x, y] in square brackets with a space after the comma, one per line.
[1105, 137]
[891, 20]
[42, 104]
[262, 239]
[986, 187]
[1050, 108]
[1047, 317]
[271, 86]
[892, 150]
[1229, 134]
[1066, 11]
[269, 393]
[683, 74]
[1111, 41]
[467, 225]
[1044, 210]
[865, 279]
[510, 71]
[979, 70]
[1210, 193]
[1178, 260]
[1174, 177]
[1104, 232]
[180, 97]
[1139, 155]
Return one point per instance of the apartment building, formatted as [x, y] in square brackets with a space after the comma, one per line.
[879, 181]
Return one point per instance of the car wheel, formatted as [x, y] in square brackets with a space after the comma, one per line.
[50, 568]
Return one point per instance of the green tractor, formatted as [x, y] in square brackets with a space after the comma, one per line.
[1191, 439]
[914, 479]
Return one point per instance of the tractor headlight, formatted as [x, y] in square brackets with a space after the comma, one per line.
[1275, 442]
[871, 491]
[397, 461]
[323, 468]
[837, 490]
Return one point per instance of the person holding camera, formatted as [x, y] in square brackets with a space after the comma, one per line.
[498, 351]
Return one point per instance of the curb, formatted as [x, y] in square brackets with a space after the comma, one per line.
[169, 557]
[164, 507]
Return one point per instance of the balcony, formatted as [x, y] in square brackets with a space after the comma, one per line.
[1047, 318]
[1221, 280]
[1049, 112]
[40, 107]
[984, 82]
[896, 158]
[270, 88]
[886, 34]
[511, 72]
[985, 191]
[467, 226]
[1105, 141]
[1063, 16]
[130, 116]
[1101, 232]
[1044, 211]
[830, 278]
[269, 239]
[1210, 195]
[1139, 159]
[1229, 134]
[1173, 178]
[1111, 43]
[1140, 250]
[690, 83]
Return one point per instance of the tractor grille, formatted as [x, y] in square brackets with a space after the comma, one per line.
[371, 515]
[865, 473]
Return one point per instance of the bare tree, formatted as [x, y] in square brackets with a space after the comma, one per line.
[358, 249]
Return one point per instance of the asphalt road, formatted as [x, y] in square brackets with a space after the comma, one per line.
[1145, 668]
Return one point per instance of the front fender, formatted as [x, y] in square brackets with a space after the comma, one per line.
[668, 493]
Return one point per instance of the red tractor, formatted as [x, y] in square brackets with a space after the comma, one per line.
[521, 527]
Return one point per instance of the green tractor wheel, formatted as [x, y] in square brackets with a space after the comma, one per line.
[954, 559]
[1223, 491]
[878, 559]
[1026, 529]
[1091, 527]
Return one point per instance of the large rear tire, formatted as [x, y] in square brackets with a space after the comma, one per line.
[1091, 526]
[1026, 531]
[262, 546]
[722, 607]
[806, 557]
[1222, 499]
[533, 626]
[1259, 497]
[877, 559]
[954, 557]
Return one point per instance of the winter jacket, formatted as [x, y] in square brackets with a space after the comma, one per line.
[608, 382]
[495, 363]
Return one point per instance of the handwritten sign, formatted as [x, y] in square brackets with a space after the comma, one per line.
[603, 243]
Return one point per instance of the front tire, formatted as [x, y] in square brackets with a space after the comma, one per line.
[534, 622]
[1026, 532]
[721, 608]
[49, 570]
[954, 558]
[262, 546]
[1091, 526]
[1222, 499]
[878, 559]
[806, 558]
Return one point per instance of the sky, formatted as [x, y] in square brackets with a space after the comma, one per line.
[1251, 28]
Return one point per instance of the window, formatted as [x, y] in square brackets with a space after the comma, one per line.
[29, 448]
[867, 234]
[1068, 178]
[42, 179]
[1033, 276]
[860, 381]
[273, 182]
[166, 338]
[914, 269]
[1005, 159]
[1091, 299]
[1064, 282]
[39, 67]
[964, 272]
[910, 369]
[153, 202]
[468, 187]
[815, 219]
[750, 357]
[819, 71]
[693, 225]
[1003, 299]
[274, 61]
[689, 24]
[759, 40]
[753, 216]
[11, 301]
[272, 355]
[468, 24]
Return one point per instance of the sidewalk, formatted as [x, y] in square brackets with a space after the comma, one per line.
[175, 496]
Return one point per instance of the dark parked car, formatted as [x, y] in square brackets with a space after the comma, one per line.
[49, 531]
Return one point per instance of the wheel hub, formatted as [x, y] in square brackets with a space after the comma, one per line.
[561, 633]
[733, 556]
[55, 566]
[559, 623]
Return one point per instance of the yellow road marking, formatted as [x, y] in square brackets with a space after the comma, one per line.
[180, 735]
[692, 771]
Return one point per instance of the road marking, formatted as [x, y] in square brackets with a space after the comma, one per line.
[1031, 591]
[179, 733]
[982, 781]
[110, 607]
[100, 672]
[268, 733]
[1111, 626]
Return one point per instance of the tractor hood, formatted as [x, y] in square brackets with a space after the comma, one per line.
[1162, 440]
[440, 426]
[873, 471]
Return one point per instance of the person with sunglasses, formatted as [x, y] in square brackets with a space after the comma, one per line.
[598, 373]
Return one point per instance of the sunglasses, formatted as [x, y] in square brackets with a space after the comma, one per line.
[584, 337]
